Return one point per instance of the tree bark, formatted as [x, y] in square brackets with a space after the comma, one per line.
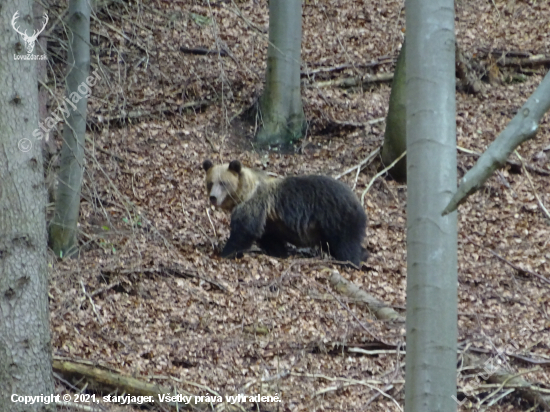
[25, 353]
[395, 136]
[281, 103]
[431, 179]
[67, 206]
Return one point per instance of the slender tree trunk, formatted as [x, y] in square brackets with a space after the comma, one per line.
[281, 103]
[25, 353]
[431, 180]
[395, 136]
[67, 206]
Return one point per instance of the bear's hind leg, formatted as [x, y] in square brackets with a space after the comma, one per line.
[273, 246]
[364, 254]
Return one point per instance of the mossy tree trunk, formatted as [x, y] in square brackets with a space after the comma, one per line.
[281, 110]
[63, 228]
[395, 136]
[431, 179]
[25, 352]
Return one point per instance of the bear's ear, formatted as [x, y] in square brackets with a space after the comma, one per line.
[235, 166]
[206, 165]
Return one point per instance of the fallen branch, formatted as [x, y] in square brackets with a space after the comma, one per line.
[517, 58]
[506, 380]
[354, 81]
[102, 381]
[174, 271]
[525, 359]
[137, 114]
[348, 289]
[374, 63]
[357, 124]
[203, 52]
[539, 59]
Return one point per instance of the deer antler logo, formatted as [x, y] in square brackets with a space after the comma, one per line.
[28, 39]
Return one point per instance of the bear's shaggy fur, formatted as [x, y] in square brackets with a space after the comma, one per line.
[305, 211]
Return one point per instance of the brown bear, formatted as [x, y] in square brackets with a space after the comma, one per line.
[305, 211]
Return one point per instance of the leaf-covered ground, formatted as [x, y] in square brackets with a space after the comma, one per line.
[150, 298]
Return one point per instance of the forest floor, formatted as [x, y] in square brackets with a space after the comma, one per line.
[150, 298]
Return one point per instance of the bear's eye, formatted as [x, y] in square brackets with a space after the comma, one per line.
[209, 186]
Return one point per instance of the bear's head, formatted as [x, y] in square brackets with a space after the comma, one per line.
[223, 183]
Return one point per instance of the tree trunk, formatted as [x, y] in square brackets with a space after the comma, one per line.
[281, 103]
[395, 136]
[431, 179]
[67, 206]
[25, 353]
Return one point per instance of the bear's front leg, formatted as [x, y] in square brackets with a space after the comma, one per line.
[237, 243]
[247, 222]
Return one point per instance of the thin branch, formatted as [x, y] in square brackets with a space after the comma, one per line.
[532, 185]
[361, 165]
[380, 174]
[521, 128]
[542, 278]
[511, 162]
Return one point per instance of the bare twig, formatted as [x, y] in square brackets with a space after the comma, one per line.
[529, 167]
[91, 302]
[361, 165]
[380, 174]
[542, 278]
[349, 382]
[212, 224]
[532, 185]
[105, 289]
